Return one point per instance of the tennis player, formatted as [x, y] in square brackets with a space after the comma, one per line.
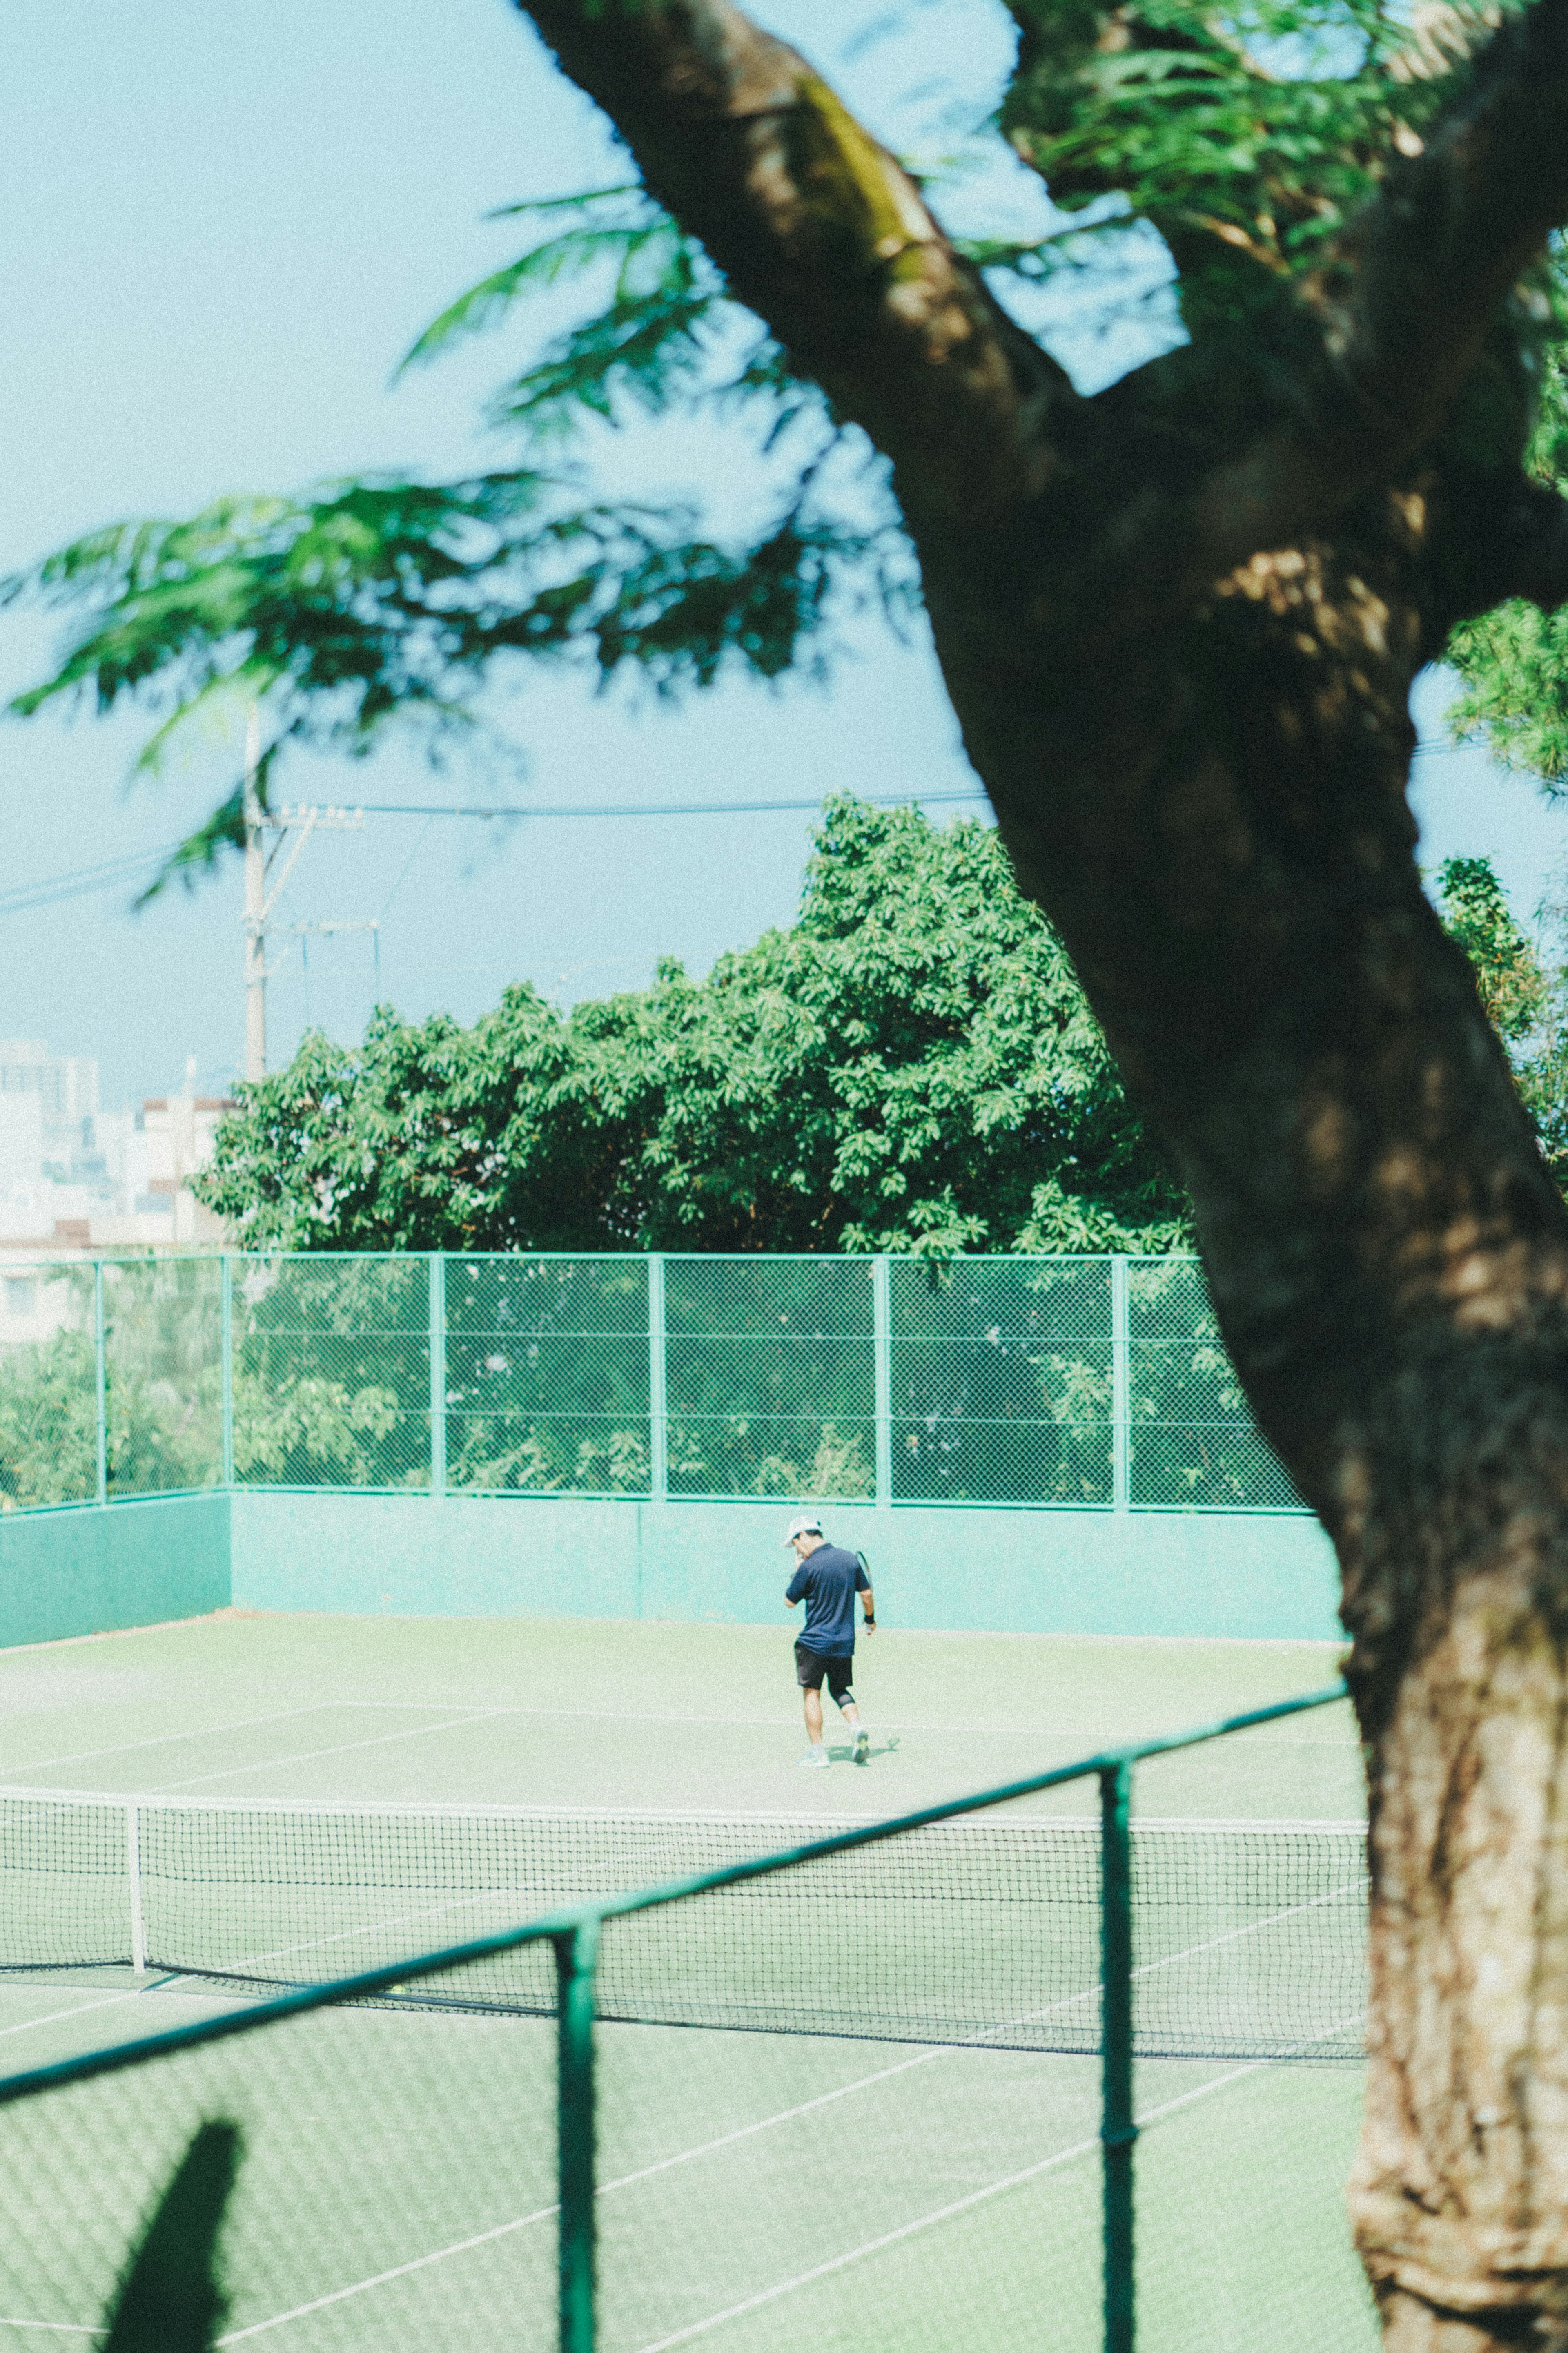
[828, 1578]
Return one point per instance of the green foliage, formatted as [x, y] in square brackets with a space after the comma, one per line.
[48, 1422]
[1513, 661]
[376, 598]
[1526, 1000]
[332, 1375]
[163, 1386]
[911, 1067]
[170, 2299]
[1513, 988]
[1246, 141]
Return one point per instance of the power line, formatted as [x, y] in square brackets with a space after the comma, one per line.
[81, 882]
[640, 808]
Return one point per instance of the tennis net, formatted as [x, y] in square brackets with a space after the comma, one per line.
[983, 1930]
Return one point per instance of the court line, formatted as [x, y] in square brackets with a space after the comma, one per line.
[785, 2116]
[61, 2327]
[543, 2213]
[341, 1748]
[839, 2263]
[162, 1739]
[958, 2206]
[400, 2271]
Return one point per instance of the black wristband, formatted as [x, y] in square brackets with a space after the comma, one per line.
[867, 1621]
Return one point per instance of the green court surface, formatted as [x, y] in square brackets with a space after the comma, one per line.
[397, 2193]
[573, 1712]
[868, 2188]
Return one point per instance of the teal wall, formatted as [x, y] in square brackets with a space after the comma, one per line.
[88, 1570]
[1262, 1575]
[95, 1570]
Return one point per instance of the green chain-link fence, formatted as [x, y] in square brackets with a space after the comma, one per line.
[1093, 1383]
[883, 2091]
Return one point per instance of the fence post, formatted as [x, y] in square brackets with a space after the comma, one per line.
[882, 1327]
[101, 1384]
[576, 1952]
[1121, 1389]
[437, 1265]
[225, 1319]
[658, 1406]
[1117, 2129]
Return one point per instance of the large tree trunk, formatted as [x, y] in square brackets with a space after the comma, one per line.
[1179, 623]
[1235, 876]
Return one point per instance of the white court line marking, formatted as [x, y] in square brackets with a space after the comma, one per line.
[481, 2239]
[61, 2327]
[109, 2001]
[543, 2213]
[805, 2107]
[305, 1755]
[162, 1739]
[958, 2206]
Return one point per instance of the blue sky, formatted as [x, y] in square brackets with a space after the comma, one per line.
[221, 228]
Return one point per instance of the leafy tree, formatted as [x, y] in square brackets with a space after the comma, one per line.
[1178, 621]
[1514, 660]
[913, 1066]
[1526, 1000]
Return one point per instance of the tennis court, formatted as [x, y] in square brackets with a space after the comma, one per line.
[317, 1795]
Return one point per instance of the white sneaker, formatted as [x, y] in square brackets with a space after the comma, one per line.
[862, 1744]
[816, 1754]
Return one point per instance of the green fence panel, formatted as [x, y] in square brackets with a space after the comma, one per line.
[162, 1358]
[1074, 1383]
[1194, 1443]
[332, 1372]
[1001, 1381]
[49, 1386]
[770, 1377]
[547, 1375]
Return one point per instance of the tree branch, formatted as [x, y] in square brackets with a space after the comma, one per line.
[1494, 535]
[823, 234]
[1435, 256]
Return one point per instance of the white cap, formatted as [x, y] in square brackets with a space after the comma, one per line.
[805, 1523]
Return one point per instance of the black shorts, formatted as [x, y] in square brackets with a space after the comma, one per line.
[810, 1667]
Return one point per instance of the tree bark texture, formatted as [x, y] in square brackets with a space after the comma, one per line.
[1179, 622]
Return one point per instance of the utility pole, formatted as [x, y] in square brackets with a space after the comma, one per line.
[259, 900]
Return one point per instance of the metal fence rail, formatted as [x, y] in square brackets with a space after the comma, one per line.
[64, 2140]
[1095, 1384]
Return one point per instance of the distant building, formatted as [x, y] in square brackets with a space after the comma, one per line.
[73, 1178]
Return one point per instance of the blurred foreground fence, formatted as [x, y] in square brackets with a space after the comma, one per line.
[1079, 1383]
[606, 2127]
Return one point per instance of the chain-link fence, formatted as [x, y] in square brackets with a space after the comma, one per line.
[547, 1375]
[888, 2091]
[770, 1379]
[1073, 1383]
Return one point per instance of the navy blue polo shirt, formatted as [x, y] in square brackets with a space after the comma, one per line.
[827, 1582]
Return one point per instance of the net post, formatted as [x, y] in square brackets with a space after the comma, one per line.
[576, 1953]
[225, 1318]
[657, 1405]
[437, 1302]
[1118, 2130]
[1121, 1389]
[882, 1328]
[101, 1380]
[133, 1877]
